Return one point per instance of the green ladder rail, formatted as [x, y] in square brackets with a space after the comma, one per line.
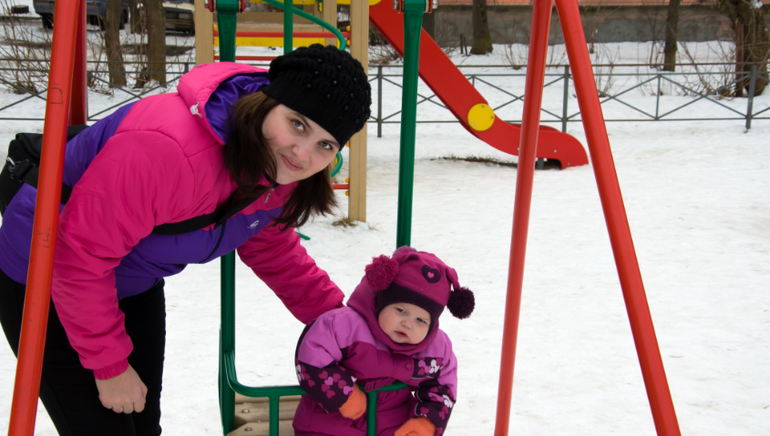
[228, 378]
[229, 385]
[413, 11]
[288, 23]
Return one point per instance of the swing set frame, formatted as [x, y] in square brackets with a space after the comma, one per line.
[66, 104]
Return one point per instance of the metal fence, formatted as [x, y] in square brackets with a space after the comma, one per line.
[628, 92]
[28, 83]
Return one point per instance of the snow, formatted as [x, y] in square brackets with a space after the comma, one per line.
[696, 197]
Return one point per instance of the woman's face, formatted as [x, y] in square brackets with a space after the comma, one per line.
[300, 147]
[404, 323]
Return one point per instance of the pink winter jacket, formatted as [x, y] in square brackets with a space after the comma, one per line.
[164, 164]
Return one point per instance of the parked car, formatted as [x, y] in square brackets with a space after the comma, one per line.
[96, 12]
[179, 15]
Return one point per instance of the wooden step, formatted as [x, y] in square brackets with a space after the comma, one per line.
[261, 429]
[252, 415]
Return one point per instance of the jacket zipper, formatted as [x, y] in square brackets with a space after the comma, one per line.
[268, 194]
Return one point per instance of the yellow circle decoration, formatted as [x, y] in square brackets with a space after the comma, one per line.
[481, 117]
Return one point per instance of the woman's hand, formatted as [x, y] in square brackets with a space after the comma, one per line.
[124, 393]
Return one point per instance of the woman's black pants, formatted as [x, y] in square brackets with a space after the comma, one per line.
[68, 390]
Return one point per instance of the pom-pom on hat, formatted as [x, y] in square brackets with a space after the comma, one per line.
[419, 278]
[324, 84]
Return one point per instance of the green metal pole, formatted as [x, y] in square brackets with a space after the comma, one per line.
[288, 26]
[413, 10]
[227, 341]
[227, 13]
[371, 413]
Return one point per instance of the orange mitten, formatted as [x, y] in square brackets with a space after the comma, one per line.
[355, 406]
[420, 426]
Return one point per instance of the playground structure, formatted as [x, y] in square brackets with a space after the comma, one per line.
[437, 71]
[66, 104]
[249, 28]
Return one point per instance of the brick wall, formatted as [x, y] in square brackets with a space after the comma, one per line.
[604, 21]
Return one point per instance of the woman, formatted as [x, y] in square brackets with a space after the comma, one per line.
[232, 136]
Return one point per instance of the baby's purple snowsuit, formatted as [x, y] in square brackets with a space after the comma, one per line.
[339, 349]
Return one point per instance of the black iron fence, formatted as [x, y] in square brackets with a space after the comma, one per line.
[627, 92]
[26, 80]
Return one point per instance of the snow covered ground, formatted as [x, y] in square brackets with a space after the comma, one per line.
[696, 195]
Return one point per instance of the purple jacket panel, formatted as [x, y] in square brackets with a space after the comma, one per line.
[83, 148]
[147, 260]
[16, 231]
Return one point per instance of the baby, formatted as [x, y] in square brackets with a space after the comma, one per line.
[389, 331]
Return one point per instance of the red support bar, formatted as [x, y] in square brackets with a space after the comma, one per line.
[79, 100]
[279, 34]
[533, 96]
[617, 222]
[344, 186]
[33, 330]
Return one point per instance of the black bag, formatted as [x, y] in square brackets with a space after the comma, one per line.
[22, 166]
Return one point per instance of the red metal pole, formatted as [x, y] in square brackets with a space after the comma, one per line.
[79, 100]
[617, 222]
[533, 96]
[32, 340]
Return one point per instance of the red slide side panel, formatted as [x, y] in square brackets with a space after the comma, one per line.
[457, 94]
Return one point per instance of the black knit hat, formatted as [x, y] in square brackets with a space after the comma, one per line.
[324, 84]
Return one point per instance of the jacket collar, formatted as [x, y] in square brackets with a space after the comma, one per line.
[210, 90]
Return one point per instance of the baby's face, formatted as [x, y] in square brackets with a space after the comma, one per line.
[404, 323]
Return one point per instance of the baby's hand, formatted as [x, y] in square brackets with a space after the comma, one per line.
[420, 426]
[355, 406]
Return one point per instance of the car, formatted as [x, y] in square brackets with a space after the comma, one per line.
[96, 12]
[179, 15]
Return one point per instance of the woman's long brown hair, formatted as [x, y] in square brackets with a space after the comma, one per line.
[248, 159]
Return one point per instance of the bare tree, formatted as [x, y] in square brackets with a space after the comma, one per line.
[429, 24]
[752, 43]
[592, 19]
[653, 17]
[672, 26]
[134, 25]
[482, 39]
[156, 39]
[112, 40]
[25, 53]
